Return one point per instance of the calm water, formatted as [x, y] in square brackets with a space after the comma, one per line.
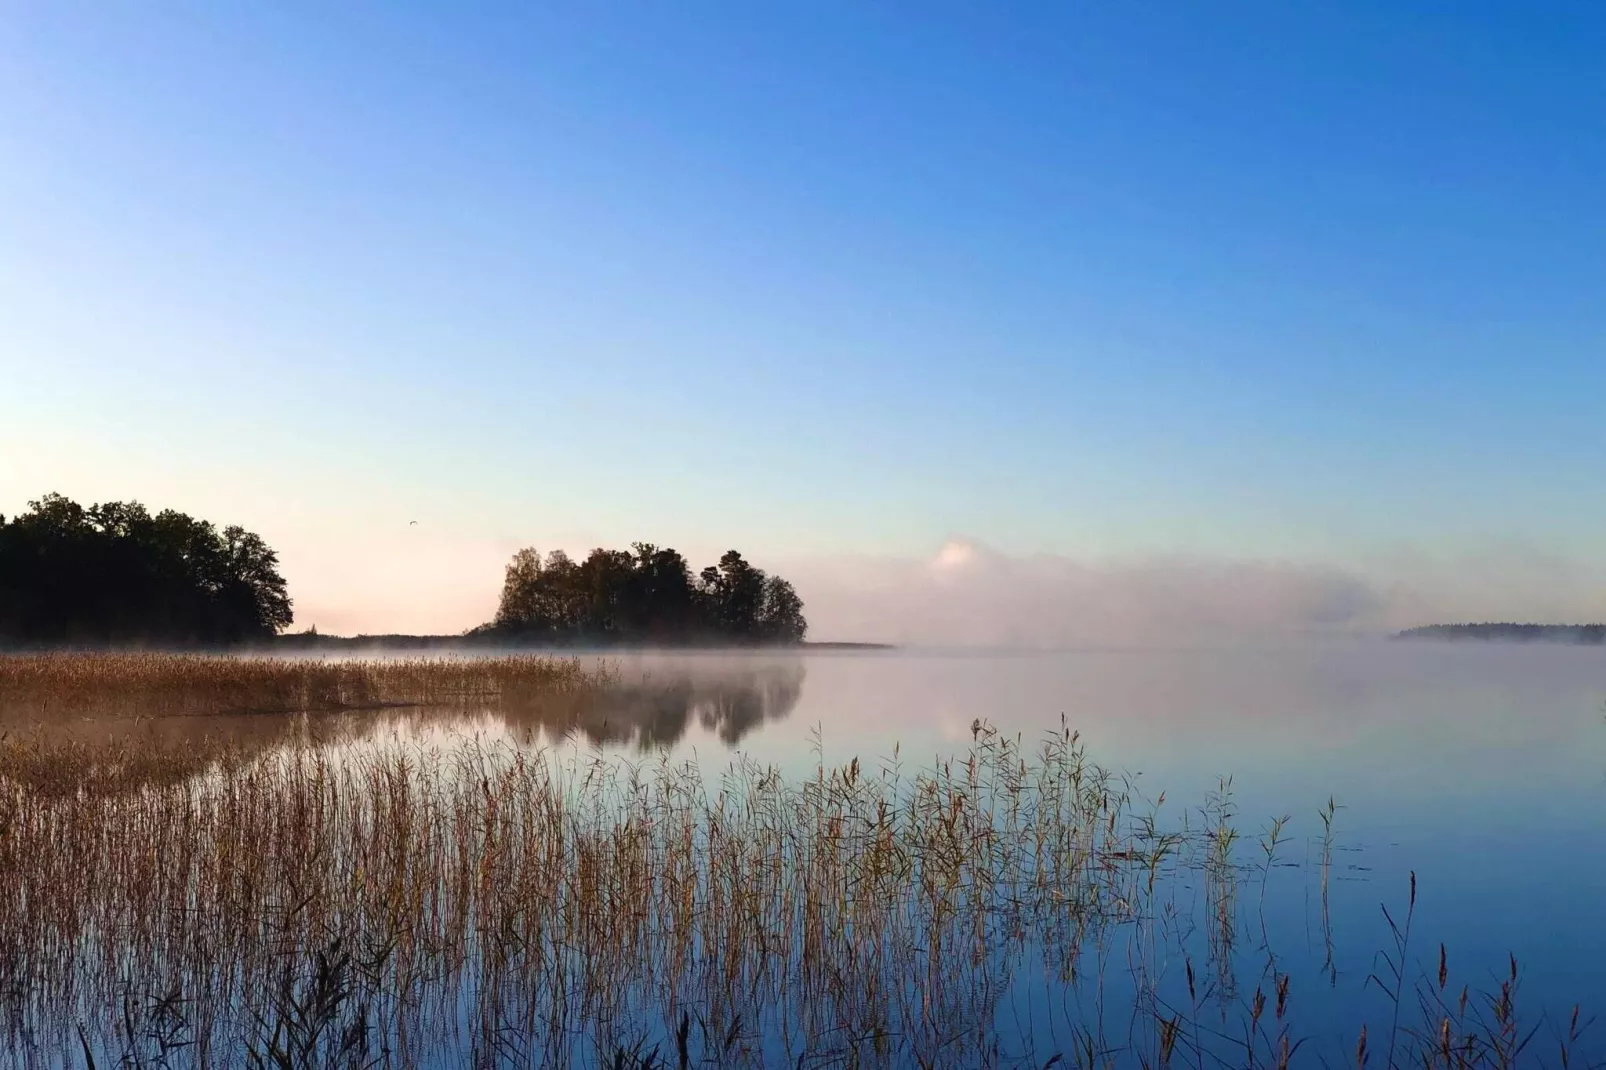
[1482, 768]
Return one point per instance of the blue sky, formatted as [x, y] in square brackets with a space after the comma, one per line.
[1297, 281]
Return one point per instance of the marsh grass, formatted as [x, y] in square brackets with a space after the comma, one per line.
[104, 723]
[46, 687]
[484, 905]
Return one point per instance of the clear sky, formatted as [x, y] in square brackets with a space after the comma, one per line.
[1309, 282]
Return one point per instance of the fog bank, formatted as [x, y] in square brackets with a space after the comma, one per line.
[969, 595]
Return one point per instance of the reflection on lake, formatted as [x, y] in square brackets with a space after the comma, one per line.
[646, 704]
[655, 707]
[822, 899]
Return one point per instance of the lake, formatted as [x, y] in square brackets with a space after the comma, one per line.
[1480, 769]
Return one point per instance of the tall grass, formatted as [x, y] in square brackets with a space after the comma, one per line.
[61, 686]
[482, 905]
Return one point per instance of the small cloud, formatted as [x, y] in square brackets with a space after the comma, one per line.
[955, 554]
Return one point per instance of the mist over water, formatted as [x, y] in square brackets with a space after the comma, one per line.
[967, 594]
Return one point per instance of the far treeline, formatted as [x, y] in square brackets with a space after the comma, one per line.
[647, 594]
[1586, 634]
[115, 574]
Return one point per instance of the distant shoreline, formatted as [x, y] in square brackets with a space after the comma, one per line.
[317, 641]
[1573, 634]
[300, 641]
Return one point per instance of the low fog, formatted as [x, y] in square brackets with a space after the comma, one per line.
[966, 594]
[969, 595]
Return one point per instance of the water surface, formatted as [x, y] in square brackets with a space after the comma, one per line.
[1479, 768]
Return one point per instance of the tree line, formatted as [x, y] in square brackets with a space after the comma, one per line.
[647, 594]
[1585, 634]
[114, 573]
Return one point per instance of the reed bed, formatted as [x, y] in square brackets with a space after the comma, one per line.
[75, 686]
[482, 906]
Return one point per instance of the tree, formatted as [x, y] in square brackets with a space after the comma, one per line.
[661, 603]
[252, 591]
[521, 591]
[739, 592]
[782, 618]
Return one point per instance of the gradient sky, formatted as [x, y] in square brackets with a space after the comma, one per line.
[1306, 282]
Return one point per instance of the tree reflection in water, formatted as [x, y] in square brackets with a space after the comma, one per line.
[645, 709]
[655, 710]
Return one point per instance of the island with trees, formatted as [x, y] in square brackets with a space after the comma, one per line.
[647, 595]
[1578, 634]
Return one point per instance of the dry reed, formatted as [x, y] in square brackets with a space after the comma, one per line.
[66, 686]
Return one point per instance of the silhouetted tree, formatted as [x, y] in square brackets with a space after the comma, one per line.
[781, 619]
[738, 594]
[646, 595]
[113, 573]
[523, 594]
